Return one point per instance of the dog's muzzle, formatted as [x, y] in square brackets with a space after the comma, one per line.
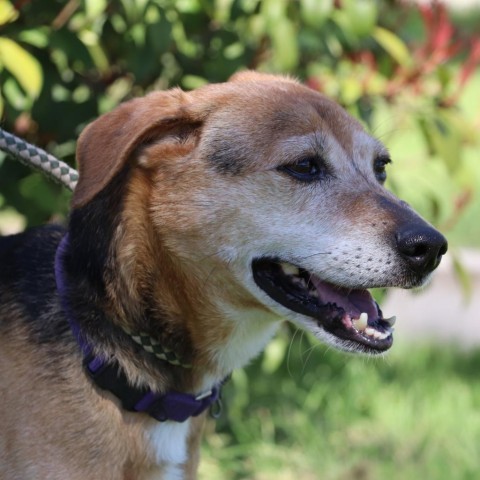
[351, 314]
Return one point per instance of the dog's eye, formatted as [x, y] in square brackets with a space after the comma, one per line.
[307, 169]
[379, 168]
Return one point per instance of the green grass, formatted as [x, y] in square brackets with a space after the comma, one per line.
[325, 415]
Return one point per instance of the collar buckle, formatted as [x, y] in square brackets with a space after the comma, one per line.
[176, 406]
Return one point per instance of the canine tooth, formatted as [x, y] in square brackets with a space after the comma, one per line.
[289, 269]
[361, 322]
[391, 321]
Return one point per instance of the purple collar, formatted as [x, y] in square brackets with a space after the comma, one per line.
[108, 375]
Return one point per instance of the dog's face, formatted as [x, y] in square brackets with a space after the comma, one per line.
[268, 199]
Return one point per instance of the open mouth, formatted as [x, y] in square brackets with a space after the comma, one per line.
[351, 315]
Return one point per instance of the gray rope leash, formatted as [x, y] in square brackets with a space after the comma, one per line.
[39, 159]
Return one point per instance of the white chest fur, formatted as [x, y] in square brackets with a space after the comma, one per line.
[168, 444]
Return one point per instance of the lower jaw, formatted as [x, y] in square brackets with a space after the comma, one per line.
[347, 337]
[356, 342]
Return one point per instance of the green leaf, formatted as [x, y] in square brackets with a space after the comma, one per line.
[95, 49]
[222, 10]
[190, 82]
[14, 95]
[315, 13]
[22, 65]
[444, 138]
[38, 37]
[393, 45]
[8, 13]
[273, 10]
[362, 16]
[94, 8]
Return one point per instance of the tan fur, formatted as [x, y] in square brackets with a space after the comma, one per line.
[187, 235]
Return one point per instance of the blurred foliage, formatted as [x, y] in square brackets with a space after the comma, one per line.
[406, 72]
[64, 63]
[326, 415]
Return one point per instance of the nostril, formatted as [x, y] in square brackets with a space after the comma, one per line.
[422, 247]
[412, 248]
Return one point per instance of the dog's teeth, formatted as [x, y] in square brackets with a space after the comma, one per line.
[383, 336]
[391, 321]
[364, 319]
[377, 335]
[370, 331]
[289, 269]
[361, 322]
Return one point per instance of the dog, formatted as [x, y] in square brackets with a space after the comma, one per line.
[200, 222]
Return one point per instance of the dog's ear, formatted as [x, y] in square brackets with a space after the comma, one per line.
[106, 144]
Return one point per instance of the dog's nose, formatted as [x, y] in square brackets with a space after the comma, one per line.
[421, 246]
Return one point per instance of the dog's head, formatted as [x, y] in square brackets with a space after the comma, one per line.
[250, 202]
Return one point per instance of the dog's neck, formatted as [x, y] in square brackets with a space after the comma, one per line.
[108, 374]
[99, 334]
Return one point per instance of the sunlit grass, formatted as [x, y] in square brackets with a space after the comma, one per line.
[413, 414]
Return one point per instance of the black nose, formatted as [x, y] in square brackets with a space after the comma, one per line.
[421, 246]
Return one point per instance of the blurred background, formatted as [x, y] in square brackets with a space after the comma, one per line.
[410, 72]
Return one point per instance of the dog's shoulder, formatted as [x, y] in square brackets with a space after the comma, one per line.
[27, 279]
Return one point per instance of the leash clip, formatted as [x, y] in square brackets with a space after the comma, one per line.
[216, 409]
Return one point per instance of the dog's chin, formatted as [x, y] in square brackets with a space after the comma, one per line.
[349, 317]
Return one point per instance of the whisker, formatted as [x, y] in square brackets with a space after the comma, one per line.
[310, 352]
[289, 352]
[301, 352]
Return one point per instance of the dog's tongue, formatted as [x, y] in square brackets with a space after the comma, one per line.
[354, 302]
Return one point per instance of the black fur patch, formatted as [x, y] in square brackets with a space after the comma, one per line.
[91, 231]
[89, 261]
[27, 283]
